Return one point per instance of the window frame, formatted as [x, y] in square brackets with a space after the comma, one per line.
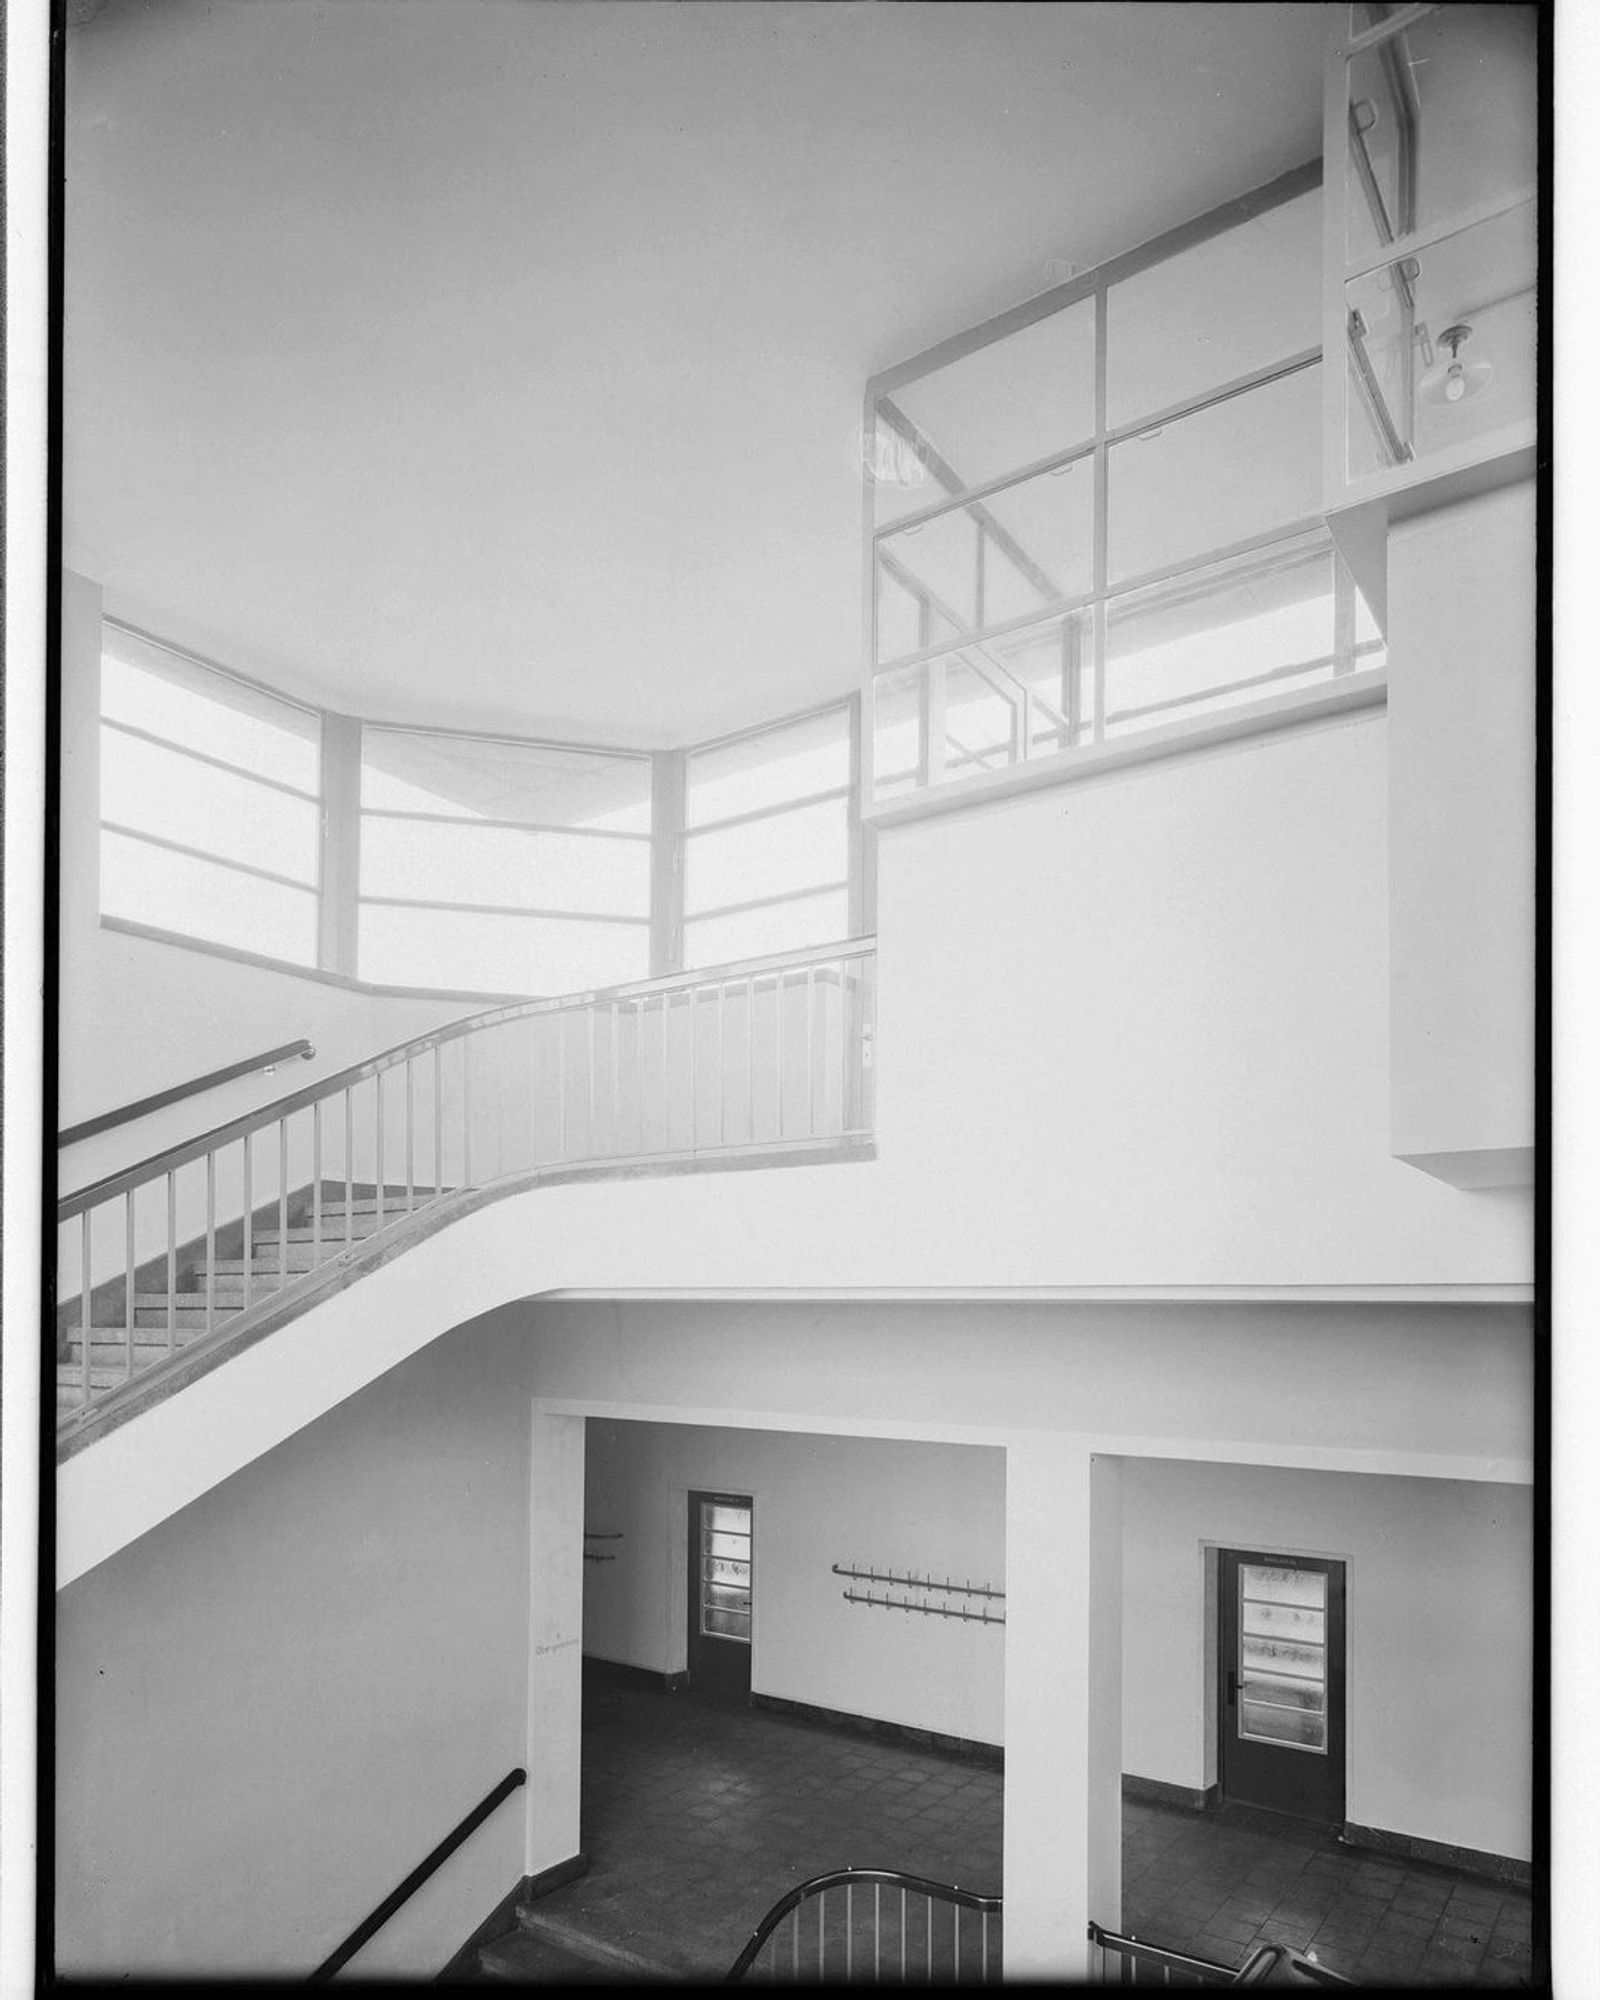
[1089, 606]
[193, 670]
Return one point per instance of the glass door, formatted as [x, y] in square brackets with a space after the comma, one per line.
[1281, 1683]
[721, 1576]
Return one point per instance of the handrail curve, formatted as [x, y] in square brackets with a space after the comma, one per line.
[159, 1271]
[172, 1157]
[854, 1878]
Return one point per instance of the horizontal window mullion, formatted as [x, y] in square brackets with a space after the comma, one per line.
[205, 757]
[759, 729]
[505, 825]
[766, 902]
[1241, 385]
[1061, 608]
[211, 667]
[832, 794]
[986, 489]
[309, 888]
[504, 910]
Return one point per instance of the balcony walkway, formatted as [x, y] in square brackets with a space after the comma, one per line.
[698, 1816]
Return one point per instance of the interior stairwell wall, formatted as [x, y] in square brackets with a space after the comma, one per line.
[273, 1707]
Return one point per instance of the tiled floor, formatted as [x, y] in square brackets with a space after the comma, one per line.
[697, 1817]
[1219, 1885]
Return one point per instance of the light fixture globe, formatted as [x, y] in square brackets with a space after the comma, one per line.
[1453, 381]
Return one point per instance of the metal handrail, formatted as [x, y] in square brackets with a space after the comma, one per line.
[1203, 1971]
[853, 1878]
[370, 1926]
[158, 1100]
[126, 1179]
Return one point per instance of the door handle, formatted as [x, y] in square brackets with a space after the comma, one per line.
[1233, 1687]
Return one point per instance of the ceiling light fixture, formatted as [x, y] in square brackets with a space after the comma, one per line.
[1453, 381]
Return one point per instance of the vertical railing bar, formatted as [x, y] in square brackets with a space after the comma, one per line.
[593, 1143]
[128, 1282]
[438, 1120]
[722, 1062]
[811, 1084]
[349, 1165]
[637, 1009]
[777, 1046]
[172, 1260]
[694, 1068]
[561, 1084]
[316, 1183]
[983, 1948]
[466, 1110]
[794, 1942]
[211, 1241]
[615, 1133]
[902, 1937]
[85, 1316]
[283, 1203]
[849, 1928]
[411, 1147]
[956, 1974]
[249, 1222]
[877, 1932]
[378, 1175]
[666, 1073]
[928, 1968]
[822, 1937]
[750, 1052]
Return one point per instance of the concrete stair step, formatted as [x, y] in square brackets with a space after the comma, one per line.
[554, 1951]
[110, 1343]
[192, 1298]
[69, 1375]
[266, 1262]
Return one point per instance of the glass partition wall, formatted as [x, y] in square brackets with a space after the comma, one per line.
[1100, 515]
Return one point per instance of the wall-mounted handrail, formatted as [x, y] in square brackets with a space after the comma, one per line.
[173, 1157]
[877, 1879]
[158, 1100]
[370, 1926]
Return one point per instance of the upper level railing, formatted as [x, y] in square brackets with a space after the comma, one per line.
[188, 1248]
[875, 1926]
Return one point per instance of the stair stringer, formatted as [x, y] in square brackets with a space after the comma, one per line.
[798, 1230]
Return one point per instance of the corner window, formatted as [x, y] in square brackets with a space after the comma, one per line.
[210, 803]
[502, 866]
[767, 840]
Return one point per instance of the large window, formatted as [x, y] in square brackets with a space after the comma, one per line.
[767, 842]
[501, 866]
[209, 803]
[1103, 516]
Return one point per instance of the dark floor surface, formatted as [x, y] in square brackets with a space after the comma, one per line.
[697, 1816]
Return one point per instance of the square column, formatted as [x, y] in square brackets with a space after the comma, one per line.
[555, 1640]
[1063, 1732]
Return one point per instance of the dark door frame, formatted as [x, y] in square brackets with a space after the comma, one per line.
[716, 1665]
[1308, 1785]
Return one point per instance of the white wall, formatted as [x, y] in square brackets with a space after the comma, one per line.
[1462, 593]
[1132, 1031]
[271, 1709]
[1439, 1632]
[871, 1504]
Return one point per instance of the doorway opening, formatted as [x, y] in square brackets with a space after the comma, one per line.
[1281, 1684]
[721, 1592]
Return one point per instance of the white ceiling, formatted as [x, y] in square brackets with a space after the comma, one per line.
[502, 359]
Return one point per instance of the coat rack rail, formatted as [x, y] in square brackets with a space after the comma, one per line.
[909, 1580]
[927, 1610]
